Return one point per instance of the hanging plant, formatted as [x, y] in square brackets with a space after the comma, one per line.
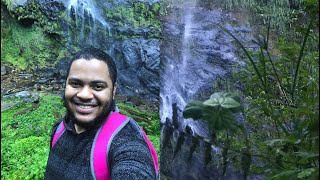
[218, 111]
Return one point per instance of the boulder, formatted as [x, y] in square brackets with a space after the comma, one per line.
[3, 70]
[23, 94]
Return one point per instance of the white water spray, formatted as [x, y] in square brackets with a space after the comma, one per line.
[82, 11]
[176, 89]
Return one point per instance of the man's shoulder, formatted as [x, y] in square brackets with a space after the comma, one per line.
[55, 126]
[131, 130]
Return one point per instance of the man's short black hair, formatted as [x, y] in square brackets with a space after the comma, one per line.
[94, 53]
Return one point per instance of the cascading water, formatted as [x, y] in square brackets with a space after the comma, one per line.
[190, 71]
[195, 53]
[179, 83]
[91, 27]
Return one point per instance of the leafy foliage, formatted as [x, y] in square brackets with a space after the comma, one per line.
[25, 139]
[31, 11]
[217, 111]
[283, 107]
[25, 47]
[138, 14]
[283, 15]
[149, 120]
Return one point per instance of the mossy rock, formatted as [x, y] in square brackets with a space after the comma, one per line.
[30, 9]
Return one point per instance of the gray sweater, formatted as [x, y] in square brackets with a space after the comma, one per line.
[129, 156]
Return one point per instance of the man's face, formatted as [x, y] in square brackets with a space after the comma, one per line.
[89, 90]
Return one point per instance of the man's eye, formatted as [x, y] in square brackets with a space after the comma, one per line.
[74, 84]
[98, 87]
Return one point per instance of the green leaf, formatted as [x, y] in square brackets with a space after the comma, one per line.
[219, 119]
[307, 155]
[306, 173]
[274, 141]
[218, 95]
[225, 100]
[213, 102]
[285, 174]
[230, 103]
[193, 110]
[217, 111]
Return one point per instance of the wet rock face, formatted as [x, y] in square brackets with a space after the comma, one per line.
[21, 3]
[52, 8]
[138, 62]
[181, 150]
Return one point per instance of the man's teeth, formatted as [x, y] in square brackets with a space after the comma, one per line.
[85, 107]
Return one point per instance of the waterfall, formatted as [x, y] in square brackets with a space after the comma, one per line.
[188, 71]
[195, 54]
[91, 27]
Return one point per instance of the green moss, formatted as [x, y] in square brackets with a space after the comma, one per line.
[24, 47]
[32, 11]
[138, 14]
[27, 48]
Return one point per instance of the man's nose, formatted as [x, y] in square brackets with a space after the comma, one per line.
[85, 93]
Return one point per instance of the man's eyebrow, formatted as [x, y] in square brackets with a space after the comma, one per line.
[98, 81]
[74, 79]
[92, 82]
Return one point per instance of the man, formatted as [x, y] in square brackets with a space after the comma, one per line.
[89, 98]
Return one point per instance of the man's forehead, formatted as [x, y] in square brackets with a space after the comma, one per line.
[93, 69]
[92, 60]
[92, 64]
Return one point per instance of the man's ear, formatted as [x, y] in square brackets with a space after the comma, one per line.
[114, 90]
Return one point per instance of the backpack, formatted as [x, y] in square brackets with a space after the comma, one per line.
[102, 142]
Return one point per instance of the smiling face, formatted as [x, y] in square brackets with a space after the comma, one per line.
[89, 90]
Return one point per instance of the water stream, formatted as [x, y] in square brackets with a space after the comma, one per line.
[92, 28]
[190, 69]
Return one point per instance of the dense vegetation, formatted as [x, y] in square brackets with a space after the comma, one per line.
[26, 47]
[280, 100]
[138, 14]
[25, 135]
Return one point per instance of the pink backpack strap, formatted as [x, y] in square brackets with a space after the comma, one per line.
[59, 131]
[102, 142]
[152, 151]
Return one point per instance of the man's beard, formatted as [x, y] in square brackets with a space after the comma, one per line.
[96, 122]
